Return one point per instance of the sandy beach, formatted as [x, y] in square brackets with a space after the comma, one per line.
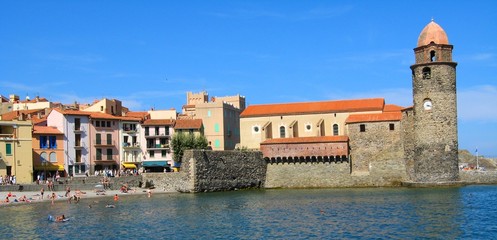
[35, 197]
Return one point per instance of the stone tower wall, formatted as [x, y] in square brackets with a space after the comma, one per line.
[407, 136]
[435, 130]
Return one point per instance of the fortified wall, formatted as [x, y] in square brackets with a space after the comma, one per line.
[209, 171]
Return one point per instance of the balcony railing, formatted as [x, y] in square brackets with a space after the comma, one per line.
[158, 146]
[130, 130]
[107, 158]
[131, 145]
[104, 143]
[79, 129]
[162, 135]
[6, 137]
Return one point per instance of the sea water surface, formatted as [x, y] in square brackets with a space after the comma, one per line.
[370, 213]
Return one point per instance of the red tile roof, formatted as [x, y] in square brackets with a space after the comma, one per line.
[155, 122]
[137, 114]
[392, 108]
[188, 124]
[374, 117]
[358, 105]
[45, 130]
[99, 115]
[322, 139]
[15, 114]
[73, 112]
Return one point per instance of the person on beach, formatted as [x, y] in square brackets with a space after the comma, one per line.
[68, 191]
[42, 191]
[116, 198]
[53, 197]
[149, 193]
[60, 218]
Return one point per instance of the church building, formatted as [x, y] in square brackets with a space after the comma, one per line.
[366, 137]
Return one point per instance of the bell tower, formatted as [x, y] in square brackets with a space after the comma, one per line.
[435, 156]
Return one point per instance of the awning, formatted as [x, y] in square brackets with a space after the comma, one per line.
[155, 164]
[51, 167]
[129, 165]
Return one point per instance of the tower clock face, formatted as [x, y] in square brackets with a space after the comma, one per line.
[427, 105]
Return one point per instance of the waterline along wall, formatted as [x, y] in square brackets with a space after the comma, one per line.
[209, 171]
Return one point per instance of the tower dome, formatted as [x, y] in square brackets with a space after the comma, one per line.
[432, 33]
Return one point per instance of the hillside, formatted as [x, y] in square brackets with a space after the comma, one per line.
[466, 157]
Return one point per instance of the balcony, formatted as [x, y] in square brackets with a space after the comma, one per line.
[130, 130]
[157, 146]
[131, 146]
[106, 158]
[6, 137]
[162, 135]
[79, 145]
[104, 143]
[79, 129]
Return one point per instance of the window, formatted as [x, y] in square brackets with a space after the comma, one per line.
[109, 154]
[433, 56]
[164, 153]
[391, 126]
[209, 113]
[97, 123]
[53, 157]
[125, 140]
[99, 154]
[112, 109]
[256, 129]
[101, 108]
[77, 140]
[146, 131]
[282, 132]
[217, 143]
[156, 131]
[150, 143]
[8, 148]
[52, 142]
[109, 139]
[163, 141]
[308, 127]
[151, 154]
[108, 124]
[335, 130]
[77, 124]
[78, 155]
[426, 73]
[43, 157]
[98, 139]
[167, 130]
[362, 127]
[216, 127]
[43, 142]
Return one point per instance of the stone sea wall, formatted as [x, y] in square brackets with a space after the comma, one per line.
[478, 177]
[208, 171]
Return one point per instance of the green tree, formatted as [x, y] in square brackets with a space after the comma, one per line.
[181, 142]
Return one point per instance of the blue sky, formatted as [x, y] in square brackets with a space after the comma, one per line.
[150, 53]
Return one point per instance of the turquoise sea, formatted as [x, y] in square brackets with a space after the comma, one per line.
[369, 213]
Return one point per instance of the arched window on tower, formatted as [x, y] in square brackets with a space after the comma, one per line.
[433, 56]
[282, 132]
[426, 73]
[335, 129]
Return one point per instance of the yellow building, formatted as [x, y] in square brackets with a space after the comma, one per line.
[220, 118]
[16, 157]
